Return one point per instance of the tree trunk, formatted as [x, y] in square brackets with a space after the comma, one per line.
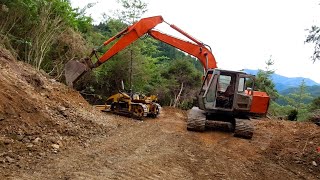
[178, 96]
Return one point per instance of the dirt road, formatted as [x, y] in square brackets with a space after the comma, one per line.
[48, 131]
[162, 149]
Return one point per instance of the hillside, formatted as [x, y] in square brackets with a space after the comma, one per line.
[313, 90]
[282, 82]
[48, 131]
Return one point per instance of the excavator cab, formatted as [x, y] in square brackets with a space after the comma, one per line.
[225, 100]
[224, 90]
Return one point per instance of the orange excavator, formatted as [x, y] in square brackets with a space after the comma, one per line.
[225, 98]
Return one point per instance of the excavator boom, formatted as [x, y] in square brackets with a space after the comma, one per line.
[75, 69]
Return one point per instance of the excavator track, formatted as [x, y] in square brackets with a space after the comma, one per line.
[243, 128]
[196, 120]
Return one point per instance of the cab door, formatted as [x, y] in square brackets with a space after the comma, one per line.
[244, 92]
[210, 93]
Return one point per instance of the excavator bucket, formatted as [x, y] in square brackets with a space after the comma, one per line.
[74, 70]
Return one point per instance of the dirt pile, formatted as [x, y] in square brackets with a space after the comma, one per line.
[39, 116]
[292, 145]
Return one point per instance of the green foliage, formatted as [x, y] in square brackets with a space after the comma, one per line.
[313, 91]
[315, 104]
[177, 74]
[283, 112]
[293, 115]
[133, 64]
[296, 101]
[131, 11]
[303, 115]
[279, 111]
[314, 38]
[264, 83]
[297, 98]
[33, 30]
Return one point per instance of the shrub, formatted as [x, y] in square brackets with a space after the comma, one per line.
[293, 115]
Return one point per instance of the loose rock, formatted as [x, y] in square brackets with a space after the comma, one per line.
[55, 146]
[20, 137]
[36, 140]
[10, 160]
[61, 108]
[7, 141]
[1, 117]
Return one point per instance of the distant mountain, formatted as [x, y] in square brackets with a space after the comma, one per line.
[313, 90]
[282, 82]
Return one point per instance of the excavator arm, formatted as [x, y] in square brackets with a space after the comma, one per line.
[200, 51]
[74, 69]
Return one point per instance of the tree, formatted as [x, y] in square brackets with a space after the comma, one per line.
[132, 10]
[32, 29]
[134, 65]
[293, 115]
[315, 104]
[182, 83]
[314, 38]
[135, 61]
[43, 35]
[263, 80]
[297, 98]
[315, 110]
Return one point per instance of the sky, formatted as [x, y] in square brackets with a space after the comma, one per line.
[242, 34]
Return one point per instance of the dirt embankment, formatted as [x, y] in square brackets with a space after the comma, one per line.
[48, 131]
[39, 116]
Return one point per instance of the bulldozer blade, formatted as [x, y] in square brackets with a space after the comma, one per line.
[74, 70]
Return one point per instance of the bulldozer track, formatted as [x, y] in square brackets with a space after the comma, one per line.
[243, 128]
[139, 110]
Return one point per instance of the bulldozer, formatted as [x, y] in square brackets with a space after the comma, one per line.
[226, 98]
[136, 106]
